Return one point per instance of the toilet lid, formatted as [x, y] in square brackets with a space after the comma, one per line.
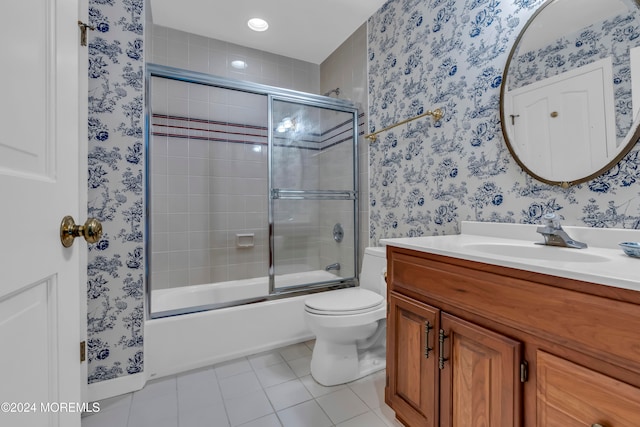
[344, 300]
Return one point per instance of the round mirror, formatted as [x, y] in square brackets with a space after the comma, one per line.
[570, 93]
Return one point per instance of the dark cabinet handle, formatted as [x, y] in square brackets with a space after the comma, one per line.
[427, 329]
[441, 358]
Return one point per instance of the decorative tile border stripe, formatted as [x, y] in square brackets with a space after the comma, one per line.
[219, 131]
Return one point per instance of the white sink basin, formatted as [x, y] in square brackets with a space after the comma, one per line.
[536, 252]
[513, 246]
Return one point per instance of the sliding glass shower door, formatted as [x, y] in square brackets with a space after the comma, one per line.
[313, 183]
[250, 192]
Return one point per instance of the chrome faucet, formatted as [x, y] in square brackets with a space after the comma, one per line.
[554, 235]
[334, 266]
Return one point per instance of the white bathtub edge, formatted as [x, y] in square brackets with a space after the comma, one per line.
[181, 343]
[191, 365]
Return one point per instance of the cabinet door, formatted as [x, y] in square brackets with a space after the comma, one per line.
[480, 378]
[412, 380]
[570, 395]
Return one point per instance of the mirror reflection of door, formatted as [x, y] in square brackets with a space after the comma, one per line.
[566, 36]
[569, 116]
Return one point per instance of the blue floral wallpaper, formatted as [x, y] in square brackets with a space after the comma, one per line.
[426, 176]
[115, 284]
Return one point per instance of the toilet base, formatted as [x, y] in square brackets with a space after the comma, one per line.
[372, 361]
[333, 363]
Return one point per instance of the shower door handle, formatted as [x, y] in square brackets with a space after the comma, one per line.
[279, 193]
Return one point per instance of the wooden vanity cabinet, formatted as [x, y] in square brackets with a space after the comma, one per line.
[446, 371]
[570, 395]
[412, 376]
[479, 377]
[472, 344]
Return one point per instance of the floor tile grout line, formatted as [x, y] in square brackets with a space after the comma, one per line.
[366, 386]
[264, 390]
[314, 398]
[177, 403]
[226, 412]
[325, 412]
[130, 408]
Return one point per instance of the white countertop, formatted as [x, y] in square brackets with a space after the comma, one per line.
[611, 267]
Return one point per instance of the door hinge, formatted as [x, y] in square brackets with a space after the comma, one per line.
[83, 351]
[83, 32]
[524, 371]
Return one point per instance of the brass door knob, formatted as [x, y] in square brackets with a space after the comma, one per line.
[91, 231]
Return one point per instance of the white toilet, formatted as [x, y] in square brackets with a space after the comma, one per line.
[350, 325]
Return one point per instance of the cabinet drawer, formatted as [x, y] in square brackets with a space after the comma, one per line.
[570, 395]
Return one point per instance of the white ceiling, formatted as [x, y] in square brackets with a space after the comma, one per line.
[308, 30]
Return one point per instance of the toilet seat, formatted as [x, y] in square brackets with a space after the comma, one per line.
[344, 302]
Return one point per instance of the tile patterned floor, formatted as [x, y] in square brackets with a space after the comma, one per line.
[271, 389]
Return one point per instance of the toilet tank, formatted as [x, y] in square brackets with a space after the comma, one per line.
[374, 265]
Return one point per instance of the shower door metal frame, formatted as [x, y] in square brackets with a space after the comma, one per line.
[281, 194]
[273, 93]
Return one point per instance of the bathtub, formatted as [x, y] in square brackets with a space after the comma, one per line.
[179, 343]
[176, 300]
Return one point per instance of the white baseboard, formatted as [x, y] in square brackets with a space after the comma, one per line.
[110, 388]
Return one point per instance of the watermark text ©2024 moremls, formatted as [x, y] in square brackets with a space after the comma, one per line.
[33, 407]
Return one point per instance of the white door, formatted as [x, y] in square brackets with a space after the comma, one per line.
[564, 125]
[40, 182]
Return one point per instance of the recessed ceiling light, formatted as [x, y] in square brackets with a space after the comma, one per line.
[257, 24]
[239, 64]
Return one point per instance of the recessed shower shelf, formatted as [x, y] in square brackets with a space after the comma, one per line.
[245, 240]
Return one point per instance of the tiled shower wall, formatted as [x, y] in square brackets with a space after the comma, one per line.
[207, 186]
[237, 174]
[346, 68]
[180, 260]
[336, 173]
